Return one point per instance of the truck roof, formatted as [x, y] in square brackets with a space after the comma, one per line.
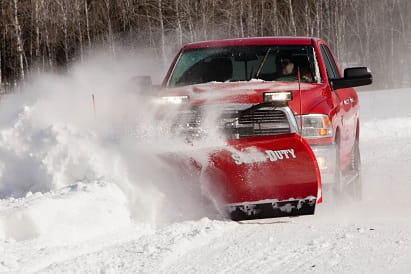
[271, 40]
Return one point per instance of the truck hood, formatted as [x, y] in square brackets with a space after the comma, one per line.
[251, 92]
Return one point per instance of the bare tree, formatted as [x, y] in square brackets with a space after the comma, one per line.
[37, 32]
[241, 19]
[19, 40]
[1, 73]
[292, 20]
[110, 35]
[178, 21]
[77, 18]
[87, 23]
[162, 34]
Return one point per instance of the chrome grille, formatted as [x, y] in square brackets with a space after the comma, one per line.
[263, 121]
[263, 116]
[249, 122]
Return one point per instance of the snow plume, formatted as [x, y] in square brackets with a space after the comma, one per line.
[64, 136]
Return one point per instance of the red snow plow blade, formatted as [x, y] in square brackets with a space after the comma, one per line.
[266, 177]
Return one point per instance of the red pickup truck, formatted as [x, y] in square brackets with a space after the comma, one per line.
[290, 119]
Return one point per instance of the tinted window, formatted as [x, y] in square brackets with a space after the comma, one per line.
[330, 65]
[243, 63]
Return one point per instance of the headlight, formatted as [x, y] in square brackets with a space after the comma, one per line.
[278, 96]
[174, 99]
[315, 126]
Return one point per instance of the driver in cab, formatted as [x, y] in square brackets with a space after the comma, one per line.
[288, 71]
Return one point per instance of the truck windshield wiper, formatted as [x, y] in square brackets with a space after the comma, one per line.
[263, 62]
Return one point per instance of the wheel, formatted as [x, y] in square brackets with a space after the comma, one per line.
[355, 188]
[338, 184]
[347, 182]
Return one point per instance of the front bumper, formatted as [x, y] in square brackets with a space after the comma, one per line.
[326, 159]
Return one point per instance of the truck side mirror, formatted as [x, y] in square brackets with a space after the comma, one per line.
[353, 77]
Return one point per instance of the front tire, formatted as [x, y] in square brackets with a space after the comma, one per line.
[347, 182]
[338, 184]
[356, 187]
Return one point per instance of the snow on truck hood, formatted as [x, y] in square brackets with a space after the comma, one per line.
[249, 92]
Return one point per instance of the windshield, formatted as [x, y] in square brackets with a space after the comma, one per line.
[243, 63]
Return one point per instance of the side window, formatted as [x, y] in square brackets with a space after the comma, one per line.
[330, 65]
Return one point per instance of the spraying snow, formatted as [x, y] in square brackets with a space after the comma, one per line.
[64, 134]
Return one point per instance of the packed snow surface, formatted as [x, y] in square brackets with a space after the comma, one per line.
[81, 191]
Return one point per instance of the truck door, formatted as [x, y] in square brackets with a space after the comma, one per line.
[345, 99]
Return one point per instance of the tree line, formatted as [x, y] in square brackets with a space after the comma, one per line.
[47, 35]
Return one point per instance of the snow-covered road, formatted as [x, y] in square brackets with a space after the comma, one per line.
[70, 220]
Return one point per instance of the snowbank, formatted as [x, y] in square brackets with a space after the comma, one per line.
[70, 214]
